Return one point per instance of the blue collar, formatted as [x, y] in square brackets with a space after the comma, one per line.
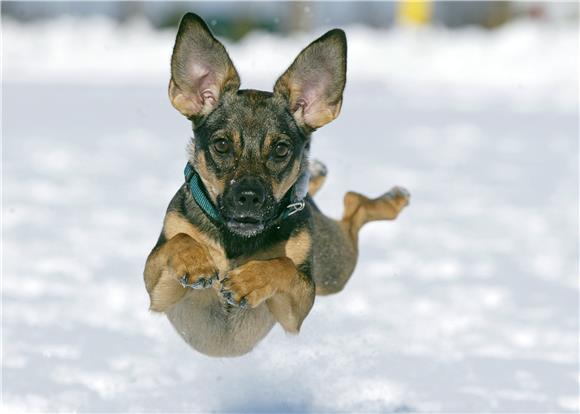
[298, 192]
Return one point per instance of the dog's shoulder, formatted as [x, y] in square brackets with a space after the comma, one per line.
[183, 215]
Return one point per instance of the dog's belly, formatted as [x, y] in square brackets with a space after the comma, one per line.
[210, 327]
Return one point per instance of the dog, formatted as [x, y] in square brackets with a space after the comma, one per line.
[243, 245]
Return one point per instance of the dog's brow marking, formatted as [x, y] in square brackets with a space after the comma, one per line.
[267, 144]
[175, 223]
[264, 143]
[237, 139]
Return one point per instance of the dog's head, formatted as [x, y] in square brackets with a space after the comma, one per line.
[251, 147]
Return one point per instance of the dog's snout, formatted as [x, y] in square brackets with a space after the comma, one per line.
[250, 198]
[248, 195]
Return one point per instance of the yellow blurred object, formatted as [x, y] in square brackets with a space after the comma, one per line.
[414, 12]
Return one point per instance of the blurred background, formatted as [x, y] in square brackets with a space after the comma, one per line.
[468, 302]
[234, 20]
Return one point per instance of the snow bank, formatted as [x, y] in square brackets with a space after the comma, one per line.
[524, 60]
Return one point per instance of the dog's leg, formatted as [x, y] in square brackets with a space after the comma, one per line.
[336, 244]
[318, 173]
[359, 210]
[172, 268]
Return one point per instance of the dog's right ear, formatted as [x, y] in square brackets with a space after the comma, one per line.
[201, 70]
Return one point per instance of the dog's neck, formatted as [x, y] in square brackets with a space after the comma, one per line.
[296, 196]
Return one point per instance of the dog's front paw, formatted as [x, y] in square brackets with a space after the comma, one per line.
[247, 285]
[179, 264]
[190, 263]
[256, 281]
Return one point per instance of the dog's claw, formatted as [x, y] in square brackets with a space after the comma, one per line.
[201, 283]
[228, 297]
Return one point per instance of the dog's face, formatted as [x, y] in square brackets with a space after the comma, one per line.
[251, 147]
[249, 152]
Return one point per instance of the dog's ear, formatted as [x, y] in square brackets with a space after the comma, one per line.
[314, 83]
[201, 70]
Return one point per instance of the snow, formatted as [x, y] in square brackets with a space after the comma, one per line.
[468, 302]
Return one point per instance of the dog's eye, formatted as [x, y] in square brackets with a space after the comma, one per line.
[281, 150]
[222, 146]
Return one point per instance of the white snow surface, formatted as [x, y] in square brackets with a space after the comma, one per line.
[468, 302]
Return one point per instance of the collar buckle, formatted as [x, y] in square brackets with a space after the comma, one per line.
[296, 207]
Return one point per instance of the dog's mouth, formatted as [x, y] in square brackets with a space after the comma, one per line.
[245, 226]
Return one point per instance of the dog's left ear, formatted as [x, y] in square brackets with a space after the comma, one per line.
[314, 83]
[201, 69]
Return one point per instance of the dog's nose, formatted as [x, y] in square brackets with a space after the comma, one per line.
[249, 198]
[249, 194]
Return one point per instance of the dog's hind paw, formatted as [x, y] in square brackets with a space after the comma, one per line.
[318, 173]
[399, 195]
[317, 169]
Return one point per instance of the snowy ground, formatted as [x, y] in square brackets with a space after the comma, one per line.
[466, 303]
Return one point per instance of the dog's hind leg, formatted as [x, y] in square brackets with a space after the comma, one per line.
[359, 209]
[336, 244]
[318, 173]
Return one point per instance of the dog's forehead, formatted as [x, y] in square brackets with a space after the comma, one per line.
[255, 114]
